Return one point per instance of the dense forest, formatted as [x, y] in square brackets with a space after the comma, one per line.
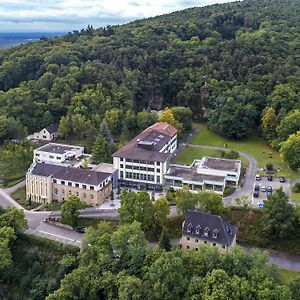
[229, 63]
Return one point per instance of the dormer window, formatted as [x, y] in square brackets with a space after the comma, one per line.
[189, 228]
[228, 229]
[215, 233]
[198, 229]
[206, 232]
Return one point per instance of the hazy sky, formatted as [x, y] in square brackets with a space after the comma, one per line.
[68, 15]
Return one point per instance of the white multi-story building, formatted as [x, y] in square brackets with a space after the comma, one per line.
[65, 155]
[143, 162]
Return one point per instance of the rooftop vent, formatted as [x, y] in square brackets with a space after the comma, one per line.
[215, 233]
[146, 144]
[161, 136]
[198, 229]
[189, 228]
[206, 232]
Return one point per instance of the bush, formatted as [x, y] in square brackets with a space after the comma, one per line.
[269, 167]
[296, 188]
[228, 191]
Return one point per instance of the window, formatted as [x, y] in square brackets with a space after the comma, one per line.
[157, 178]
[55, 191]
[223, 246]
[121, 166]
[58, 157]
[91, 188]
[77, 194]
[54, 181]
[77, 185]
[196, 249]
[205, 242]
[187, 247]
[84, 195]
[214, 244]
[51, 156]
[121, 159]
[187, 238]
[158, 170]
[37, 154]
[92, 196]
[70, 192]
[84, 186]
[62, 182]
[196, 240]
[62, 191]
[69, 183]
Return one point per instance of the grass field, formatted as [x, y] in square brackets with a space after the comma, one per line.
[288, 275]
[20, 196]
[296, 197]
[12, 168]
[189, 154]
[254, 145]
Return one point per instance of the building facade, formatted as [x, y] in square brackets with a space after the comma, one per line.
[48, 182]
[201, 228]
[46, 134]
[143, 162]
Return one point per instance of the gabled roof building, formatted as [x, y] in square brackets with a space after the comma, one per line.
[204, 228]
[143, 161]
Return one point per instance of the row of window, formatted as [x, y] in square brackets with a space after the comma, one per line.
[55, 192]
[205, 242]
[145, 162]
[138, 176]
[84, 186]
[139, 168]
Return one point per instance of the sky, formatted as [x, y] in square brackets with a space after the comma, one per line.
[69, 15]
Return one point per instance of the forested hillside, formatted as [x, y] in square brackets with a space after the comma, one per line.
[245, 54]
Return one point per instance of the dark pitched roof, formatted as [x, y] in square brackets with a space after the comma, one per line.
[69, 174]
[225, 231]
[52, 128]
[147, 144]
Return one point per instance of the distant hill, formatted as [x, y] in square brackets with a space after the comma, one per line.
[237, 52]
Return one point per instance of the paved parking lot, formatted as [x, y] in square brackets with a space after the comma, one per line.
[275, 184]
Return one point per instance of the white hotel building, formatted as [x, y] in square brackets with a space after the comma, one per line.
[143, 162]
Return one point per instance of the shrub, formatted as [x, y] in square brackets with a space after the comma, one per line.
[296, 188]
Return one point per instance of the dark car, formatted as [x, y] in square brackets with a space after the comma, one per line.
[255, 194]
[281, 179]
[256, 188]
[269, 189]
[80, 230]
[270, 177]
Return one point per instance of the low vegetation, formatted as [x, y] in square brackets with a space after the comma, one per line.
[253, 145]
[20, 196]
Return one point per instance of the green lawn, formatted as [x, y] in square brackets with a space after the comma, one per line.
[189, 154]
[254, 145]
[20, 196]
[296, 197]
[288, 275]
[12, 167]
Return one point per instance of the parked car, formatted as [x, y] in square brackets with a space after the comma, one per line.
[257, 177]
[270, 178]
[80, 230]
[256, 194]
[261, 205]
[263, 189]
[256, 188]
[269, 189]
[281, 179]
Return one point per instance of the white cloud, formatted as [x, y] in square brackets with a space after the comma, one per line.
[66, 15]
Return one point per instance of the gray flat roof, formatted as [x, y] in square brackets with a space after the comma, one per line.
[57, 148]
[190, 174]
[220, 164]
